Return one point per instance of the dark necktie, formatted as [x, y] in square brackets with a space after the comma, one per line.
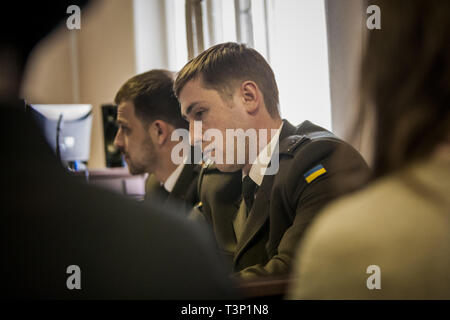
[162, 193]
[248, 192]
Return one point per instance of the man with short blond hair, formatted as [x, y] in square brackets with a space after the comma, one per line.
[291, 177]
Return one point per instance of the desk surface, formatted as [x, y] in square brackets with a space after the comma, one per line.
[265, 287]
[115, 179]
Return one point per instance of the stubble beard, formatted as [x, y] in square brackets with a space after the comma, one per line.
[148, 159]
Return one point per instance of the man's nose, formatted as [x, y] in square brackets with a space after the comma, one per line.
[195, 133]
[118, 141]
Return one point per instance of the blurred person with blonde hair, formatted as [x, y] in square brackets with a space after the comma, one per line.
[392, 239]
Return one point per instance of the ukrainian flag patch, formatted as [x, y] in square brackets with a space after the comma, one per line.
[315, 172]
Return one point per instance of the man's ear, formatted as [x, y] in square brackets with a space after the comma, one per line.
[159, 132]
[251, 96]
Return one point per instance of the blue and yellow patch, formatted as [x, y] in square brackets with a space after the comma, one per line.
[315, 172]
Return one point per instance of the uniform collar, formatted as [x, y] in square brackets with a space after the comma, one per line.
[259, 166]
[173, 178]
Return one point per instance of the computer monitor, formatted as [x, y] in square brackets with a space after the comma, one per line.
[69, 125]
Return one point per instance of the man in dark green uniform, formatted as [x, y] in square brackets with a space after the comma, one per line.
[261, 203]
[148, 114]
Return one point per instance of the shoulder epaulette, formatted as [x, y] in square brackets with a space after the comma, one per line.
[289, 144]
[320, 135]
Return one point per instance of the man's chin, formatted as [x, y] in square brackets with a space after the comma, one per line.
[134, 171]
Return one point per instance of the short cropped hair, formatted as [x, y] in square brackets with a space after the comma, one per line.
[153, 98]
[224, 66]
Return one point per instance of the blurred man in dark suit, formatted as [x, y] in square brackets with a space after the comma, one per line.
[61, 239]
[148, 114]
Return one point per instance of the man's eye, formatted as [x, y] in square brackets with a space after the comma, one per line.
[125, 130]
[198, 115]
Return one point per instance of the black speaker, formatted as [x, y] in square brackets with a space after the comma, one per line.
[110, 127]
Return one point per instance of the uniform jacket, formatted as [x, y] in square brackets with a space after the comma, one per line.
[284, 204]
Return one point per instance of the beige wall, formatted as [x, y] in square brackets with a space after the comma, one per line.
[88, 68]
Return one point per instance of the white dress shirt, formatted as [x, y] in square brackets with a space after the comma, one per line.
[259, 166]
[173, 178]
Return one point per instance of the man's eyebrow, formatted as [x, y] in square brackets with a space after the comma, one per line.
[189, 109]
[121, 122]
